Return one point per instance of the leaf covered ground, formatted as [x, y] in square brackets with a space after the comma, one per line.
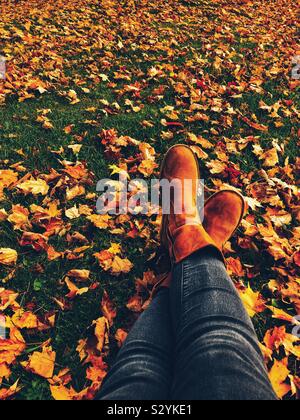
[95, 87]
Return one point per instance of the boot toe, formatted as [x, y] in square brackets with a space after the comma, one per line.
[223, 214]
[180, 162]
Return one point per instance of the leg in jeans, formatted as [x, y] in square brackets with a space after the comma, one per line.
[217, 352]
[144, 366]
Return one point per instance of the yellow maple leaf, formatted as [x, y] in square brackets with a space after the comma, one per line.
[72, 96]
[74, 192]
[120, 265]
[5, 372]
[253, 301]
[34, 186]
[8, 299]
[22, 319]
[277, 337]
[72, 213]
[7, 178]
[270, 158]
[81, 349]
[216, 166]
[62, 393]
[100, 221]
[41, 363]
[10, 349]
[147, 167]
[19, 217]
[8, 256]
[115, 249]
[278, 375]
[75, 148]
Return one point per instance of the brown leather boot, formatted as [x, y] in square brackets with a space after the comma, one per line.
[182, 232]
[223, 214]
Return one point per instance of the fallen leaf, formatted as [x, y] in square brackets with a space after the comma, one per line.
[41, 363]
[8, 256]
[270, 158]
[100, 221]
[101, 332]
[34, 186]
[253, 301]
[79, 274]
[278, 376]
[74, 290]
[108, 308]
[6, 393]
[120, 336]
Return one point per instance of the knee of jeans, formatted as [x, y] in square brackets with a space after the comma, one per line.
[142, 356]
[140, 369]
[142, 347]
[222, 350]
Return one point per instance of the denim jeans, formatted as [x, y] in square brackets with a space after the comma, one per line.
[194, 342]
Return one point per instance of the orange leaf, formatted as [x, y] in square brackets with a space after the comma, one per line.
[74, 290]
[41, 363]
[34, 186]
[234, 267]
[297, 258]
[8, 256]
[98, 371]
[120, 336]
[22, 319]
[108, 308]
[101, 332]
[280, 314]
[253, 302]
[100, 221]
[255, 125]
[270, 158]
[79, 274]
[5, 372]
[135, 304]
[278, 375]
[19, 217]
[120, 266]
[6, 393]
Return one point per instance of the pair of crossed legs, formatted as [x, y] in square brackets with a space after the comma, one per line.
[194, 342]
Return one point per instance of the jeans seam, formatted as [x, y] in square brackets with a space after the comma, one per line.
[184, 288]
[182, 283]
